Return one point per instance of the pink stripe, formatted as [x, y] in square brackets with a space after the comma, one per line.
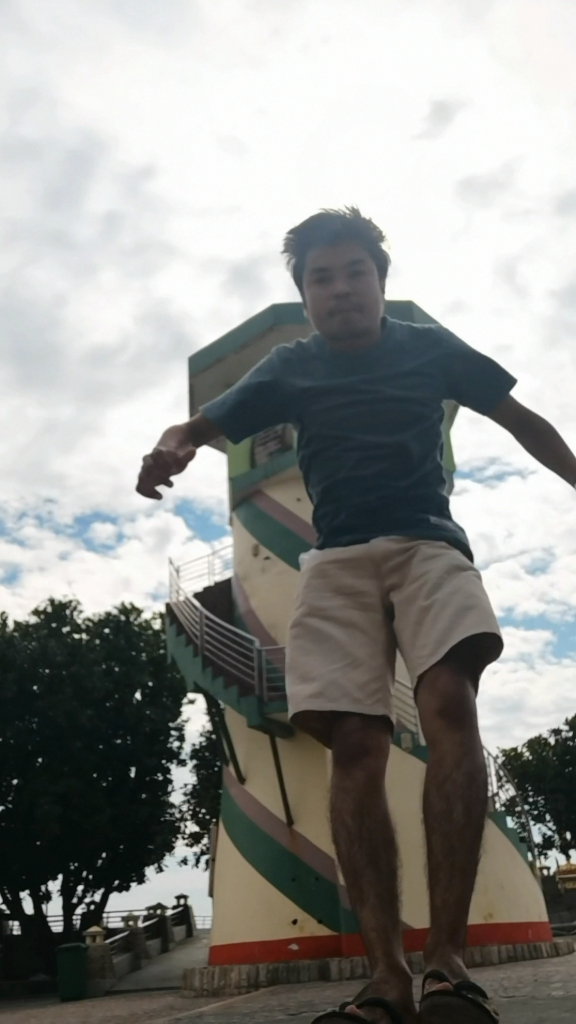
[292, 840]
[257, 628]
[284, 516]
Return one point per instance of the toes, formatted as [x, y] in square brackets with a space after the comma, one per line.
[441, 986]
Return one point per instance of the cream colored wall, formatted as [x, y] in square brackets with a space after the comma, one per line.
[269, 583]
[247, 908]
[506, 889]
[404, 784]
[305, 773]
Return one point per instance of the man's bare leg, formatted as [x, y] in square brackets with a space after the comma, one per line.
[455, 803]
[366, 848]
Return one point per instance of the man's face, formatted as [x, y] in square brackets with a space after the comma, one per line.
[342, 292]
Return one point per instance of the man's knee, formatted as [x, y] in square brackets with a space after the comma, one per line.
[317, 724]
[361, 742]
[446, 701]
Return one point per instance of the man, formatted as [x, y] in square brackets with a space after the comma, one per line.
[391, 570]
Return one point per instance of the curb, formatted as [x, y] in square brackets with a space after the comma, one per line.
[238, 979]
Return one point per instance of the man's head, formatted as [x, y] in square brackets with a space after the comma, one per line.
[339, 266]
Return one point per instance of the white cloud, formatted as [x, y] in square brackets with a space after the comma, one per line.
[528, 691]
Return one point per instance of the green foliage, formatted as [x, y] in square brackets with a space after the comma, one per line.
[200, 807]
[90, 733]
[544, 771]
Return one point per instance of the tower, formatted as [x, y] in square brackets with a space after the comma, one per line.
[277, 891]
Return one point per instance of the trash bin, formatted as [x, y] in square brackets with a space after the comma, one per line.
[71, 960]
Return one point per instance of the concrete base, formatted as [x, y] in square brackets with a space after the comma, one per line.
[236, 980]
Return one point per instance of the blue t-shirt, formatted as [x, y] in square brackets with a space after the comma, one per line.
[369, 426]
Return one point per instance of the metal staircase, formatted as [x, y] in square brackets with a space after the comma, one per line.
[254, 669]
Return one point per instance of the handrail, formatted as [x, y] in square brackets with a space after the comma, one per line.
[238, 653]
[119, 943]
[110, 919]
[502, 792]
[197, 573]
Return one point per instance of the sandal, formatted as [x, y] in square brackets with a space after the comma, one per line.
[463, 1003]
[394, 1015]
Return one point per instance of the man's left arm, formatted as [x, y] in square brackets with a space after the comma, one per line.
[537, 436]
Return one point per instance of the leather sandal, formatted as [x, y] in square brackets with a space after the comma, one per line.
[463, 1003]
[378, 1002]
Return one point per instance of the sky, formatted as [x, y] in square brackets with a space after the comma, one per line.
[154, 152]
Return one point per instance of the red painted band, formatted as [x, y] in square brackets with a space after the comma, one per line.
[308, 947]
[318, 947]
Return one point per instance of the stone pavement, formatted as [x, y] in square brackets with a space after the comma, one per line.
[141, 1008]
[165, 971]
[534, 992]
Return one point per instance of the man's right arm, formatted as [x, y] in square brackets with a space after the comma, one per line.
[175, 449]
[255, 402]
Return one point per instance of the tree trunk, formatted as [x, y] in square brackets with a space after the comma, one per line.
[68, 909]
[37, 936]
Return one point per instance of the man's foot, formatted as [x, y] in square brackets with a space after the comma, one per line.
[379, 1002]
[397, 993]
[448, 999]
[452, 967]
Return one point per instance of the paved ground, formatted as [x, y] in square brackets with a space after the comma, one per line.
[165, 971]
[140, 1008]
[537, 992]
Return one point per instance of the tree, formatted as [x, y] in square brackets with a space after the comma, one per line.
[90, 733]
[544, 771]
[200, 806]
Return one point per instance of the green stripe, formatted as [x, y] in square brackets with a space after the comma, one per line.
[242, 482]
[313, 893]
[282, 542]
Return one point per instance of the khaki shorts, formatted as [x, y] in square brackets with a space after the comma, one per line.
[358, 605]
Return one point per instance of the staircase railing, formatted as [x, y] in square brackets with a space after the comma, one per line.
[190, 577]
[238, 653]
[241, 655]
[503, 796]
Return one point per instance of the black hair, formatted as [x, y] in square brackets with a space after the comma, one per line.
[332, 227]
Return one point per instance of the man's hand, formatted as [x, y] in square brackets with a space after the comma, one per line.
[175, 449]
[170, 457]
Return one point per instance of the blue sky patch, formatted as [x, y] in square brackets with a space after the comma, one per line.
[564, 633]
[46, 518]
[9, 575]
[490, 473]
[203, 524]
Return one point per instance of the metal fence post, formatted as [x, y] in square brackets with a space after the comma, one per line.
[201, 626]
[259, 671]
